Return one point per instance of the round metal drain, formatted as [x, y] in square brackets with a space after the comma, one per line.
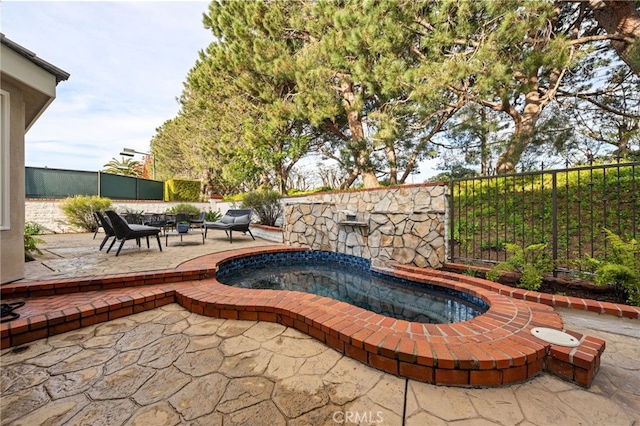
[555, 337]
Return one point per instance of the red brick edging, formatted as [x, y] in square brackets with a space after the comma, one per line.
[604, 308]
[495, 348]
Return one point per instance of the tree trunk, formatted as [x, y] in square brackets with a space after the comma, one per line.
[370, 180]
[393, 164]
[283, 176]
[622, 18]
[625, 130]
[484, 144]
[525, 124]
[350, 179]
[206, 182]
[358, 144]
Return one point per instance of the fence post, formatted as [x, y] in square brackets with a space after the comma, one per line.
[99, 184]
[554, 219]
[450, 221]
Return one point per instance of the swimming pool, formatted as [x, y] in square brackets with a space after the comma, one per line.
[350, 279]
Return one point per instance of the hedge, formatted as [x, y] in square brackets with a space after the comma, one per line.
[181, 190]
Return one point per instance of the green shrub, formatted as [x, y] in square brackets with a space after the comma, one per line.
[212, 216]
[184, 208]
[31, 229]
[621, 268]
[265, 204]
[295, 191]
[531, 262]
[470, 272]
[233, 198]
[493, 245]
[182, 190]
[79, 210]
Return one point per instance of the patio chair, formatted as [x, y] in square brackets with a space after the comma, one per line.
[124, 231]
[157, 220]
[182, 218]
[105, 223]
[199, 222]
[134, 218]
[98, 225]
[233, 220]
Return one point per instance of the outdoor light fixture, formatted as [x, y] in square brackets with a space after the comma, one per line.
[128, 152]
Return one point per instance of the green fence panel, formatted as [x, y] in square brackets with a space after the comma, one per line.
[150, 189]
[57, 183]
[60, 183]
[118, 187]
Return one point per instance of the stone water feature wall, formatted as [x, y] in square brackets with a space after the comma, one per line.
[405, 225]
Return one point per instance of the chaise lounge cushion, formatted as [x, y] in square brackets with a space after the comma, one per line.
[233, 220]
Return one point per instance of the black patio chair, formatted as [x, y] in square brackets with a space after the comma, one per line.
[157, 220]
[181, 218]
[125, 231]
[98, 225]
[105, 223]
[134, 218]
[199, 222]
[233, 220]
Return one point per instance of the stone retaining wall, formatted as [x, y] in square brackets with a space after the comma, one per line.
[405, 225]
[48, 214]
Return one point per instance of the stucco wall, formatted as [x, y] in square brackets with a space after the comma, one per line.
[49, 215]
[403, 225]
[11, 240]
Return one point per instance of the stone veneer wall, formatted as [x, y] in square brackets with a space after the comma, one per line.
[405, 225]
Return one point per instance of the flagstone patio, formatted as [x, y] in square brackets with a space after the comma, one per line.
[171, 366]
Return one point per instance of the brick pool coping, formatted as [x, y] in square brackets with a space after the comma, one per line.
[556, 300]
[495, 348]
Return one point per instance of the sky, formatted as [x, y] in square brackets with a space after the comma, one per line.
[127, 62]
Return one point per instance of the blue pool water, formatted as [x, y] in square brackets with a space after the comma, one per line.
[349, 279]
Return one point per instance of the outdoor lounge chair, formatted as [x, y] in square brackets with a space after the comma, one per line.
[105, 223]
[199, 222]
[233, 220]
[134, 218]
[157, 220]
[98, 224]
[124, 231]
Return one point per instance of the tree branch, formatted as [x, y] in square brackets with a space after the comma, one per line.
[598, 104]
[330, 127]
[589, 39]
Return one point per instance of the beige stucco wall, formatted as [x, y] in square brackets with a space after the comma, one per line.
[31, 89]
[11, 240]
[48, 214]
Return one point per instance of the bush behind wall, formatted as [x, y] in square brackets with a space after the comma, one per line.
[181, 190]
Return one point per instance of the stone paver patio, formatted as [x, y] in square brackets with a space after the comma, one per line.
[170, 366]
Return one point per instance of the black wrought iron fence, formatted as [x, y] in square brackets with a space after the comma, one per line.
[566, 209]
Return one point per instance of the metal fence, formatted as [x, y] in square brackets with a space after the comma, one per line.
[566, 209]
[60, 183]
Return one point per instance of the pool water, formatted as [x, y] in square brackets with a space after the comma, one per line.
[357, 286]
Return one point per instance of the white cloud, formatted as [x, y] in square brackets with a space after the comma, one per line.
[127, 62]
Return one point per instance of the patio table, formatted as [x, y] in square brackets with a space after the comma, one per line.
[193, 231]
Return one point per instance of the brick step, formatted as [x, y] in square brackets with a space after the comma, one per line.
[578, 365]
[603, 308]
